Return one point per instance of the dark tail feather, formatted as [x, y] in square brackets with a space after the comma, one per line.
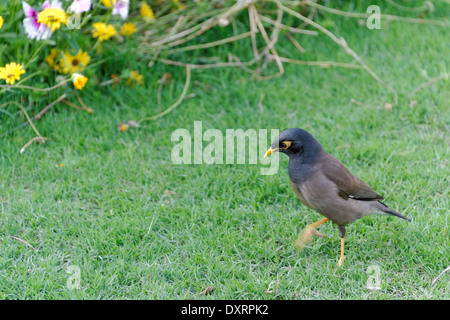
[386, 209]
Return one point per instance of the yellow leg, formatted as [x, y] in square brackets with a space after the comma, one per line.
[341, 260]
[318, 223]
[306, 235]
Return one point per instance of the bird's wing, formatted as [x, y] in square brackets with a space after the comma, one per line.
[348, 185]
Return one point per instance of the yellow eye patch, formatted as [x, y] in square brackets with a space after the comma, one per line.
[287, 144]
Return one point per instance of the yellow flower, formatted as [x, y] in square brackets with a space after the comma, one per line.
[108, 3]
[71, 64]
[136, 77]
[103, 31]
[128, 29]
[79, 81]
[50, 59]
[11, 72]
[146, 11]
[52, 17]
[1, 22]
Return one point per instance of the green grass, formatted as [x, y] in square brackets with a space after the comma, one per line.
[107, 211]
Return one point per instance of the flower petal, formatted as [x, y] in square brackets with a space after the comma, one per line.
[44, 32]
[31, 27]
[28, 10]
[55, 4]
[121, 8]
[79, 6]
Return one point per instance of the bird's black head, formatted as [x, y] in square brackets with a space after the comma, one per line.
[296, 143]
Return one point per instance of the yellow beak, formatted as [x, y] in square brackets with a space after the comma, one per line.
[269, 152]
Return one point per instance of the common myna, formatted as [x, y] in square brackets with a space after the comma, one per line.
[322, 183]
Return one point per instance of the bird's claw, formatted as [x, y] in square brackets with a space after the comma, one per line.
[306, 236]
[318, 234]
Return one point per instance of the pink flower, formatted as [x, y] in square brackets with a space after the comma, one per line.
[54, 4]
[79, 6]
[121, 8]
[33, 29]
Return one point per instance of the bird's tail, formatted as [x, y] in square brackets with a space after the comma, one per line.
[384, 208]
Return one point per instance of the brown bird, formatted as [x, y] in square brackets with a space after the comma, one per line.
[323, 184]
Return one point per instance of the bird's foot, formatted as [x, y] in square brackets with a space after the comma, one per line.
[342, 258]
[306, 236]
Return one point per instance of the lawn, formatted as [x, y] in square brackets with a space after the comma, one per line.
[111, 208]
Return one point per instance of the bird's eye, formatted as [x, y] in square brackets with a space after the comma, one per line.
[286, 144]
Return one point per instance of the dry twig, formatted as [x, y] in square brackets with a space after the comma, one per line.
[341, 42]
[7, 86]
[211, 44]
[40, 114]
[30, 122]
[323, 64]
[177, 103]
[37, 139]
[290, 29]
[429, 82]
[295, 42]
[440, 275]
[24, 242]
[382, 16]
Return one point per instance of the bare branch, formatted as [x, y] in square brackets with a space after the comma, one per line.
[180, 99]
